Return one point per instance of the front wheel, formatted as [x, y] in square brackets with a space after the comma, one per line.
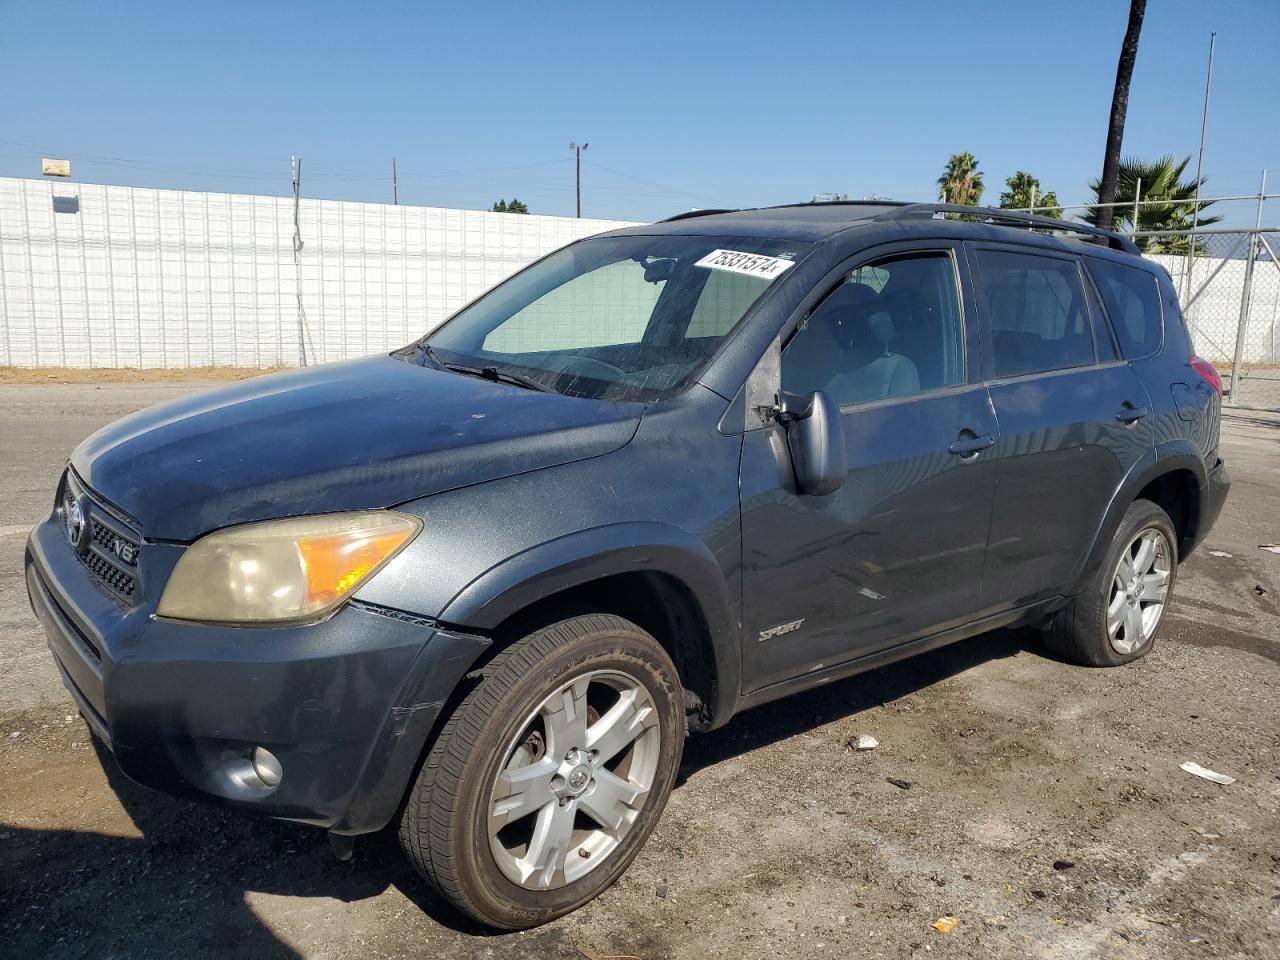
[550, 775]
[1115, 620]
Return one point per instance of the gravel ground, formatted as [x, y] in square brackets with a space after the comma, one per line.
[1045, 808]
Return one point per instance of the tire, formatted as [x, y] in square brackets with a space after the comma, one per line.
[522, 850]
[1099, 628]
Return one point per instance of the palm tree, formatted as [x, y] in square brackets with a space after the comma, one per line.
[1025, 191]
[1161, 180]
[961, 182]
[1119, 109]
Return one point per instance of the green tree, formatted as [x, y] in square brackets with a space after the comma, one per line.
[1025, 191]
[961, 181]
[1107, 185]
[515, 206]
[1161, 180]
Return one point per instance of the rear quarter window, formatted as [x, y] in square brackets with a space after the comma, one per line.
[1132, 300]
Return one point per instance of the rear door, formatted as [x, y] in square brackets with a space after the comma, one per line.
[897, 552]
[1073, 416]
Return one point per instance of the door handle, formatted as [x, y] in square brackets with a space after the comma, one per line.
[970, 447]
[1127, 414]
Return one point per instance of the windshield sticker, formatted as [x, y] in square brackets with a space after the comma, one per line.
[749, 264]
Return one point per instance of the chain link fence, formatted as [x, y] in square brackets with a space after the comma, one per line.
[1229, 287]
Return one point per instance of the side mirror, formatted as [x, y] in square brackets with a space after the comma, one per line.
[815, 437]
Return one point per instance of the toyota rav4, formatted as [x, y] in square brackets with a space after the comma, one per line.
[482, 587]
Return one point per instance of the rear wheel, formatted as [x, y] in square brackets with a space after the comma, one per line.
[547, 779]
[1116, 619]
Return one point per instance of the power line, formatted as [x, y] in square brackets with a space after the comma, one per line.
[336, 176]
[650, 183]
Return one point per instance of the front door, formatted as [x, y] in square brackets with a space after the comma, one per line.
[897, 552]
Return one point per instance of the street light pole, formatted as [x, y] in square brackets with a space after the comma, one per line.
[577, 154]
[1195, 210]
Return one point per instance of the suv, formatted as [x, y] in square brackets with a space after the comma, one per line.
[483, 586]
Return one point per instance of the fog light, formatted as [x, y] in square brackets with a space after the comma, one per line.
[267, 767]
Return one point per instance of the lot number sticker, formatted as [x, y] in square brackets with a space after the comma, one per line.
[749, 264]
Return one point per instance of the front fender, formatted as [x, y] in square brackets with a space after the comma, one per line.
[579, 558]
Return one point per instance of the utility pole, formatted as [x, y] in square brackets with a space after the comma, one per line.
[1242, 328]
[1195, 210]
[577, 153]
[297, 259]
[395, 185]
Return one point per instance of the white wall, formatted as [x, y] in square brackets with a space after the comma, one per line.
[98, 276]
[101, 276]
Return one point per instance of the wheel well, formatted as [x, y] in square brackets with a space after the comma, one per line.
[1178, 494]
[656, 602]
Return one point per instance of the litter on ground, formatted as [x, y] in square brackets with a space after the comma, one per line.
[1198, 771]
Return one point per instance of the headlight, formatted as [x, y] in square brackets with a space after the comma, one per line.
[280, 570]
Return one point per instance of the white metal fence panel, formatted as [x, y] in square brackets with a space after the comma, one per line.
[101, 276]
[104, 276]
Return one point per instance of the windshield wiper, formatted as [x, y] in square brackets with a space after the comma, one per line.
[424, 352]
[495, 375]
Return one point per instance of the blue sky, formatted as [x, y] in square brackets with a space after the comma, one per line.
[684, 104]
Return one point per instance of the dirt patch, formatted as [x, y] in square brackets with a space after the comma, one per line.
[1045, 810]
[128, 374]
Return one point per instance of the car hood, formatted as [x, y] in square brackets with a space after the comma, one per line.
[367, 433]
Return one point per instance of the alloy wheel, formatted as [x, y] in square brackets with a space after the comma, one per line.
[1139, 591]
[573, 780]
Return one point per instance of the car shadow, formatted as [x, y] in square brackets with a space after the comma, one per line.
[781, 719]
[185, 886]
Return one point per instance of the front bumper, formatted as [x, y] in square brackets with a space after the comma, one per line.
[346, 705]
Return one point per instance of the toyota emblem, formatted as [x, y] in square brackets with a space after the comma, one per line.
[77, 527]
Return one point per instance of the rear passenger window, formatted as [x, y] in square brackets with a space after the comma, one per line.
[1132, 299]
[1037, 320]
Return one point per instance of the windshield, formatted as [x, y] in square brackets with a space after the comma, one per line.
[616, 318]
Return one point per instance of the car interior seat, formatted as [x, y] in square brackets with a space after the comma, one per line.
[832, 340]
[887, 374]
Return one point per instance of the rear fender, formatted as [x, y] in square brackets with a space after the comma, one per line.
[1167, 457]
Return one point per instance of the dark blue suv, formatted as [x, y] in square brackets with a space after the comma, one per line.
[482, 587]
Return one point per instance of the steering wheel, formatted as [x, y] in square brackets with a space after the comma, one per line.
[582, 366]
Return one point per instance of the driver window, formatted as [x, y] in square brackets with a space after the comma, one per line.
[891, 328]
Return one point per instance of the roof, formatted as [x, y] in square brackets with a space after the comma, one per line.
[820, 220]
[803, 221]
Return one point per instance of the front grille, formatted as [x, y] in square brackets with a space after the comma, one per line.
[109, 545]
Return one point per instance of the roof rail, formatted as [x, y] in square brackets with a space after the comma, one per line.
[1011, 218]
[696, 213]
[841, 203]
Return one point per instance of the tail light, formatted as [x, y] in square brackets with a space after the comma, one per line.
[1207, 372]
